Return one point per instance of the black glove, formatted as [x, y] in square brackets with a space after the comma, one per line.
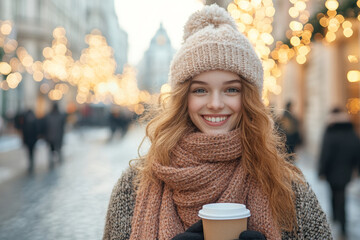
[251, 235]
[194, 232]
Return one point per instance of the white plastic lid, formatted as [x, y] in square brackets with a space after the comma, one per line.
[224, 211]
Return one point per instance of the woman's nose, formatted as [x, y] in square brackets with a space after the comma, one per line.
[215, 101]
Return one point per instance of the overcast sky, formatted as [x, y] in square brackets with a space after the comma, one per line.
[141, 19]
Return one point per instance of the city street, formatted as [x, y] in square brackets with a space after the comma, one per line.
[69, 201]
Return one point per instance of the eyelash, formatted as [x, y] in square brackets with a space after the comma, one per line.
[229, 90]
[232, 88]
[197, 90]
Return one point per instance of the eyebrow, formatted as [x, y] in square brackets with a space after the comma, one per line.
[205, 83]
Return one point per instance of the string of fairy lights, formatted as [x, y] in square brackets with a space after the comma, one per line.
[93, 75]
[255, 17]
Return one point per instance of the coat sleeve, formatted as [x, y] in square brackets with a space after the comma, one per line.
[312, 222]
[326, 154]
[121, 208]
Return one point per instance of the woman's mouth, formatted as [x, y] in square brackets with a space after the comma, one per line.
[215, 120]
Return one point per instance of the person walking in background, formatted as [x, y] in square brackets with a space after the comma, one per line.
[213, 140]
[27, 123]
[54, 127]
[340, 155]
[289, 125]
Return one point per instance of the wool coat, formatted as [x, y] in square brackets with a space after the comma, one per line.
[311, 219]
[340, 154]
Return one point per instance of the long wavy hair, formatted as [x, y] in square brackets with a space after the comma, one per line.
[264, 156]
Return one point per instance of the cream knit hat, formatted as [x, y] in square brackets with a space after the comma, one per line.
[212, 42]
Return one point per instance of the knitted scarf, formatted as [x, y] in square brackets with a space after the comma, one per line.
[204, 169]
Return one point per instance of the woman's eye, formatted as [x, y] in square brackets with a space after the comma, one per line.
[232, 90]
[199, 90]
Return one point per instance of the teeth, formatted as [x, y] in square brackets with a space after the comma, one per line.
[215, 119]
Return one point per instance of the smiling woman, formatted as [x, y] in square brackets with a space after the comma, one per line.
[213, 141]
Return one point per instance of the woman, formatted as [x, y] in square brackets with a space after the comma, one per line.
[213, 141]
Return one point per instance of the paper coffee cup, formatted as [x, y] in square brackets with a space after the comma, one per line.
[224, 221]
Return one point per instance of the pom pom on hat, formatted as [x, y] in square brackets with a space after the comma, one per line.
[210, 15]
[213, 42]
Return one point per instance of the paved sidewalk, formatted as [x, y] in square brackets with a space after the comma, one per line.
[9, 142]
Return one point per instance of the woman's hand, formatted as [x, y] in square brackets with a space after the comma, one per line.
[194, 232]
[251, 235]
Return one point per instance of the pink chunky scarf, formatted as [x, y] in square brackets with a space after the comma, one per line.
[204, 169]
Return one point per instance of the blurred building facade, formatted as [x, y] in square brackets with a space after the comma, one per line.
[33, 25]
[221, 3]
[322, 82]
[153, 69]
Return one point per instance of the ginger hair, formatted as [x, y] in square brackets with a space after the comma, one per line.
[264, 156]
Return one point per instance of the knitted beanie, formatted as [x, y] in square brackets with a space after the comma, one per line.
[213, 42]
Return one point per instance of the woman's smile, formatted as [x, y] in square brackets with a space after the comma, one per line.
[215, 120]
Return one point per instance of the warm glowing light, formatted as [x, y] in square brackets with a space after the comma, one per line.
[346, 24]
[246, 18]
[10, 46]
[330, 36]
[48, 52]
[5, 28]
[353, 76]
[340, 18]
[59, 32]
[353, 105]
[139, 109]
[55, 95]
[44, 88]
[270, 11]
[244, 5]
[333, 25]
[301, 59]
[13, 80]
[4, 85]
[324, 21]
[256, 3]
[235, 13]
[294, 12]
[295, 41]
[301, 6]
[353, 59]
[348, 32]
[165, 88]
[267, 38]
[38, 76]
[5, 68]
[332, 4]
[295, 26]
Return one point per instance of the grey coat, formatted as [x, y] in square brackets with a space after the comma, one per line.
[310, 217]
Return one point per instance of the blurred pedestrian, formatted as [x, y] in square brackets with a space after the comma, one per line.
[340, 155]
[124, 121]
[289, 125]
[54, 127]
[213, 140]
[119, 119]
[28, 125]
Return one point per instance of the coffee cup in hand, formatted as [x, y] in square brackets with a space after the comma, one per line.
[224, 221]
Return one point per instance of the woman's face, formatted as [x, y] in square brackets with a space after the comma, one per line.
[214, 101]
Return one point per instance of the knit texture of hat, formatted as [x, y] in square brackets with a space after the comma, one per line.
[213, 42]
